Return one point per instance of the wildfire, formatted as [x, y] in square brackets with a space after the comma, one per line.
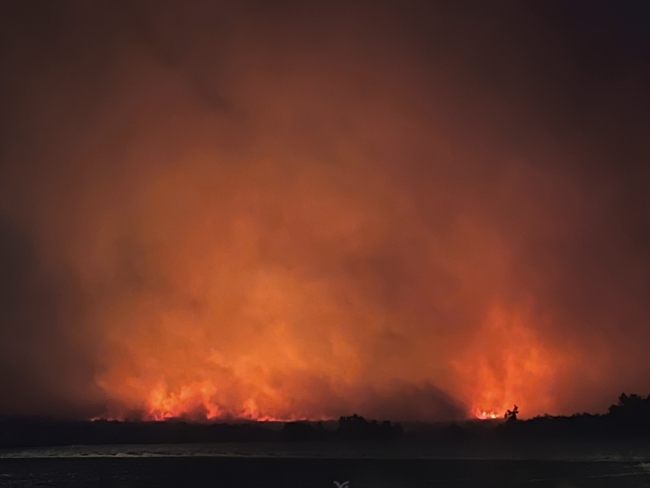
[193, 398]
[509, 363]
[487, 415]
[196, 401]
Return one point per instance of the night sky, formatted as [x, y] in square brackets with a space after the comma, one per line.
[287, 210]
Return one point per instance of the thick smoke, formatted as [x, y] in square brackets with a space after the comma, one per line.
[413, 210]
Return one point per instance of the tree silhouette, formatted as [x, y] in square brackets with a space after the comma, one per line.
[511, 415]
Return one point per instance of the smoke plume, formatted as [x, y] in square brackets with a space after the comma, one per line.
[414, 210]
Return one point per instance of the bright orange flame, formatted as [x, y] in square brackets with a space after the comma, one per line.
[483, 415]
[191, 398]
[195, 401]
[198, 401]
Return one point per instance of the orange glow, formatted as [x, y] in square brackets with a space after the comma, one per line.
[191, 398]
[239, 336]
[483, 415]
[506, 364]
[298, 275]
[212, 210]
[243, 337]
[195, 401]
[510, 364]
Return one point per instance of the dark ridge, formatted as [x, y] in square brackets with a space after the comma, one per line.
[40, 432]
[628, 419]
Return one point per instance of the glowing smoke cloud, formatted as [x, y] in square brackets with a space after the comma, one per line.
[407, 211]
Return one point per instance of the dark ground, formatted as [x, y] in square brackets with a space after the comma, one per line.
[304, 473]
[318, 464]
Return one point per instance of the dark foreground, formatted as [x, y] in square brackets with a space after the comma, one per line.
[247, 472]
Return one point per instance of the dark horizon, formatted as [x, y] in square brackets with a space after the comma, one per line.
[627, 420]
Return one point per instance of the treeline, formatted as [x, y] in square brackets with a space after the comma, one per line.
[354, 427]
[38, 432]
[629, 418]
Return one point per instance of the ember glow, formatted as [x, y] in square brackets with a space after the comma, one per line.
[405, 210]
[483, 415]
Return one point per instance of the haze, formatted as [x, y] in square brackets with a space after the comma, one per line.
[406, 210]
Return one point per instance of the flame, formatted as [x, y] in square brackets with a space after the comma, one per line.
[509, 364]
[191, 398]
[491, 415]
[221, 331]
[195, 401]
[198, 401]
[239, 337]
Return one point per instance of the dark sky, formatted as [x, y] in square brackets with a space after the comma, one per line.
[414, 210]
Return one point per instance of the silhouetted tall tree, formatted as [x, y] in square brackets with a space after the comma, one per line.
[511, 415]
